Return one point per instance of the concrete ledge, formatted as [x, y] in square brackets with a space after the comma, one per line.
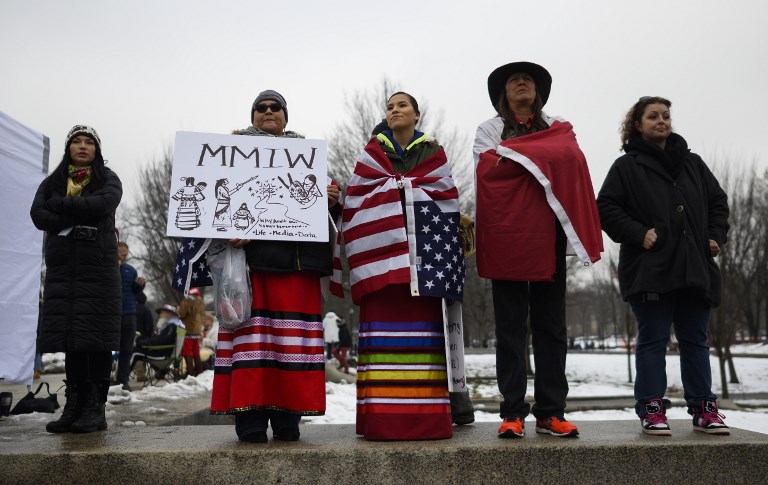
[606, 452]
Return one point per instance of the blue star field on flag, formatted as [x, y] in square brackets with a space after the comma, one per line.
[440, 265]
[191, 269]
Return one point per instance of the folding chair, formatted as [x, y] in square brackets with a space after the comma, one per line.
[168, 368]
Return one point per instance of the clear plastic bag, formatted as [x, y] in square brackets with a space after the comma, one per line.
[231, 283]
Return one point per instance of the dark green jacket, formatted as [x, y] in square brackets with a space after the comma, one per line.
[415, 153]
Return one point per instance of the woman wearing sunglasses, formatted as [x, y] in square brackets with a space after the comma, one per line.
[262, 375]
[82, 306]
[665, 207]
[400, 227]
[534, 199]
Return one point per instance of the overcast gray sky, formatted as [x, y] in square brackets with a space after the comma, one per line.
[139, 71]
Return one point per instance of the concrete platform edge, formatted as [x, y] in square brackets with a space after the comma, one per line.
[606, 452]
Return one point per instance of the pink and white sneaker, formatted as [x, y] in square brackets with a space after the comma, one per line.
[708, 419]
[655, 420]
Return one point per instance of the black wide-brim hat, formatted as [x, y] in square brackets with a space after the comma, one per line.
[498, 79]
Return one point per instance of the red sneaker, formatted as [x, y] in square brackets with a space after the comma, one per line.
[512, 428]
[556, 426]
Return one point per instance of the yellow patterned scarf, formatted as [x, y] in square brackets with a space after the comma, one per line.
[78, 179]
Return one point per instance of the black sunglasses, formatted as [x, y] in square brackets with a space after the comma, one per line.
[274, 107]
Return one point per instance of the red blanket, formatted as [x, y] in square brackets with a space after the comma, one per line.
[522, 186]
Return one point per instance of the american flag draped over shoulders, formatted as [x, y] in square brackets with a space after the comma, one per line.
[383, 249]
[191, 269]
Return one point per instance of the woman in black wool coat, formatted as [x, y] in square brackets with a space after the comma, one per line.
[668, 211]
[75, 206]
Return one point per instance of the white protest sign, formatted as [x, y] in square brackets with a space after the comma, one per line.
[454, 346]
[248, 187]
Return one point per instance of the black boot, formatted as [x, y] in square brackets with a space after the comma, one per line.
[71, 411]
[92, 417]
[461, 408]
[285, 426]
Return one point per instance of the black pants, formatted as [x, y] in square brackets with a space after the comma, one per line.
[127, 337]
[512, 301]
[88, 366]
[254, 421]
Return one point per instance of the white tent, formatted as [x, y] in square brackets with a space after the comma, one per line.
[24, 164]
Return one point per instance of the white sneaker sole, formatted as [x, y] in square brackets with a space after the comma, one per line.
[718, 431]
[657, 432]
[575, 432]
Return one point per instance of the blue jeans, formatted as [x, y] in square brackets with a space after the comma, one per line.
[655, 314]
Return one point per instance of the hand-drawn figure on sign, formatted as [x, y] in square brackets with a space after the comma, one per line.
[188, 213]
[242, 217]
[221, 218]
[305, 193]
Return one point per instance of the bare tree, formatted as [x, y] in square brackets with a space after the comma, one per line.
[479, 323]
[147, 220]
[366, 108]
[742, 264]
[615, 308]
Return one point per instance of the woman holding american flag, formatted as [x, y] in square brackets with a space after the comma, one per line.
[400, 227]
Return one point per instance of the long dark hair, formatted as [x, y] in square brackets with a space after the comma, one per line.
[98, 170]
[219, 183]
[506, 113]
[635, 114]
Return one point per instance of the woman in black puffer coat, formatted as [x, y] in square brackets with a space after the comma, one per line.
[75, 206]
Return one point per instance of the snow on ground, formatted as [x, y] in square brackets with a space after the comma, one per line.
[589, 375]
[606, 375]
[592, 375]
[758, 348]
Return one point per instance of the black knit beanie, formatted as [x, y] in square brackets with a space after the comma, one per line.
[274, 96]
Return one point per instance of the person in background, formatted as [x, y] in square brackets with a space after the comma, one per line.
[534, 197]
[145, 327]
[38, 364]
[191, 311]
[330, 333]
[345, 342]
[210, 338]
[260, 386]
[670, 215]
[132, 285]
[75, 205]
[166, 335]
[145, 322]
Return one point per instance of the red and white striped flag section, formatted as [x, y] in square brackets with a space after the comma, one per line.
[539, 176]
[379, 247]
